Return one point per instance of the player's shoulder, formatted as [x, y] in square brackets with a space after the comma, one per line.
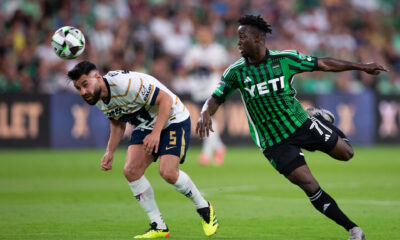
[287, 52]
[234, 66]
[122, 78]
[119, 81]
[117, 75]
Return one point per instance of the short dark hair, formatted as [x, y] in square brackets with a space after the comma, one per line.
[257, 22]
[81, 68]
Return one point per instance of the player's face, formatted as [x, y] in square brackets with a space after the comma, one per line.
[88, 88]
[246, 43]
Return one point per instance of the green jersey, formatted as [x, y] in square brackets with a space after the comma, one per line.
[272, 110]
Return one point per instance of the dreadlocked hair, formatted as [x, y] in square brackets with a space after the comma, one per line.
[255, 21]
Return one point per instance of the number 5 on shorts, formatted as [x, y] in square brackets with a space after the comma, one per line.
[172, 138]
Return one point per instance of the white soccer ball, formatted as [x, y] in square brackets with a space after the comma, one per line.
[68, 42]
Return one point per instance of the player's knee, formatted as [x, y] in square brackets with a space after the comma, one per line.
[342, 151]
[131, 174]
[308, 187]
[169, 175]
[305, 181]
[349, 153]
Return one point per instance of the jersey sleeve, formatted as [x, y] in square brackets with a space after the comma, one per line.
[133, 87]
[298, 63]
[144, 91]
[225, 87]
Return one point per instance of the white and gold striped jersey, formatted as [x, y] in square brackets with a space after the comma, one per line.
[132, 97]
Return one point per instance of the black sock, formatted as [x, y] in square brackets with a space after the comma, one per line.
[327, 206]
[333, 127]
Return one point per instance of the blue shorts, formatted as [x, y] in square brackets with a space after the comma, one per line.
[174, 140]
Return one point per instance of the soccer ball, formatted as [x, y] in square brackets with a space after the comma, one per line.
[68, 42]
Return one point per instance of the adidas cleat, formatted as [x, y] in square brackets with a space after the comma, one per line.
[208, 219]
[154, 232]
[325, 114]
[356, 233]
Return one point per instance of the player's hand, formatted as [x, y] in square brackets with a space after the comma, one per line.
[151, 141]
[204, 125]
[374, 68]
[106, 161]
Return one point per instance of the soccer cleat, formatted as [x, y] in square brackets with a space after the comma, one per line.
[356, 233]
[154, 232]
[204, 159]
[219, 156]
[208, 219]
[325, 114]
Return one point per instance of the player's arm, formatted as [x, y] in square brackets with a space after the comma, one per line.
[204, 124]
[164, 102]
[117, 129]
[336, 65]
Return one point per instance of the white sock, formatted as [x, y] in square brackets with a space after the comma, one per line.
[186, 186]
[213, 141]
[217, 142]
[208, 148]
[144, 193]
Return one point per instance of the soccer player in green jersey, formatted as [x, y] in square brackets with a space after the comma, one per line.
[278, 123]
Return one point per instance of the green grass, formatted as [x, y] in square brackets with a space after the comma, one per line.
[49, 194]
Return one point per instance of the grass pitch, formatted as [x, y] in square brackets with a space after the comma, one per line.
[54, 194]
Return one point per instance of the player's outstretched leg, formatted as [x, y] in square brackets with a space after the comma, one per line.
[136, 163]
[343, 150]
[182, 183]
[324, 203]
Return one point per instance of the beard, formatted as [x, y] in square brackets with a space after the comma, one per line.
[94, 97]
[243, 53]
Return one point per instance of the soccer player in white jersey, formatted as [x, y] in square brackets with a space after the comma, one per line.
[204, 62]
[162, 129]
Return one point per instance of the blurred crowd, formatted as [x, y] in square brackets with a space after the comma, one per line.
[187, 43]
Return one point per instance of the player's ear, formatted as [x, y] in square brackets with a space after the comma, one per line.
[255, 35]
[256, 38]
[97, 75]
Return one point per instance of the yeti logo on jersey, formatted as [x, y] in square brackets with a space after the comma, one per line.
[264, 87]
